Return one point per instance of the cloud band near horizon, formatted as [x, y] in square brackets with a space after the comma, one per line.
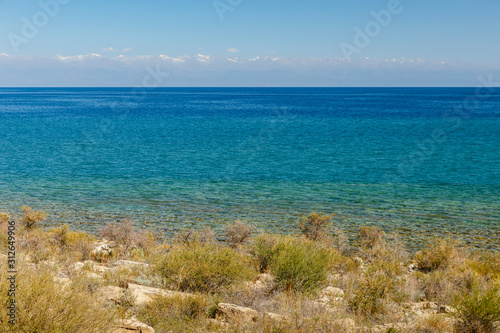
[95, 70]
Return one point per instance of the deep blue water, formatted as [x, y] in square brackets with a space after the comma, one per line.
[418, 161]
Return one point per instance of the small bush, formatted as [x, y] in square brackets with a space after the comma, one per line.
[263, 249]
[441, 285]
[186, 237]
[487, 264]
[36, 244]
[60, 236]
[477, 310]
[437, 255]
[204, 267]
[299, 265]
[4, 224]
[237, 233]
[368, 294]
[119, 276]
[4, 218]
[177, 313]
[120, 232]
[434, 323]
[43, 306]
[315, 226]
[31, 218]
[371, 237]
[86, 283]
[67, 238]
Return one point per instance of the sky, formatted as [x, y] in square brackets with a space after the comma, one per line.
[248, 43]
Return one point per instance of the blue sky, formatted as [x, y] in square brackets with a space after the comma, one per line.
[460, 35]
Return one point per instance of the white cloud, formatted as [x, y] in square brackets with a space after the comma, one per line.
[110, 49]
[209, 70]
[127, 49]
[79, 57]
[233, 50]
[203, 58]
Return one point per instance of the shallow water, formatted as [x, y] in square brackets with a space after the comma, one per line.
[410, 160]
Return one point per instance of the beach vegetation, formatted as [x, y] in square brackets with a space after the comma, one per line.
[206, 267]
[315, 226]
[31, 218]
[297, 264]
[438, 254]
[371, 237]
[178, 313]
[296, 283]
[43, 306]
[191, 236]
[237, 233]
[380, 283]
[477, 309]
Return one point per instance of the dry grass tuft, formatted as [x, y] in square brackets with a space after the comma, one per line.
[4, 218]
[187, 237]
[237, 233]
[434, 323]
[178, 313]
[438, 255]
[371, 237]
[370, 292]
[315, 226]
[43, 306]
[31, 218]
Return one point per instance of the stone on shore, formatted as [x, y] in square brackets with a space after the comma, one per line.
[332, 292]
[110, 293]
[130, 263]
[236, 313]
[143, 294]
[130, 326]
[102, 252]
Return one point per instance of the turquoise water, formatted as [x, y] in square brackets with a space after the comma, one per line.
[417, 161]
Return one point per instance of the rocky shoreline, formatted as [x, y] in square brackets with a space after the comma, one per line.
[313, 282]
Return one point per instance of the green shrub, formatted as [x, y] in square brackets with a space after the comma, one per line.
[263, 249]
[299, 264]
[315, 226]
[204, 267]
[437, 255]
[477, 310]
[66, 237]
[381, 282]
